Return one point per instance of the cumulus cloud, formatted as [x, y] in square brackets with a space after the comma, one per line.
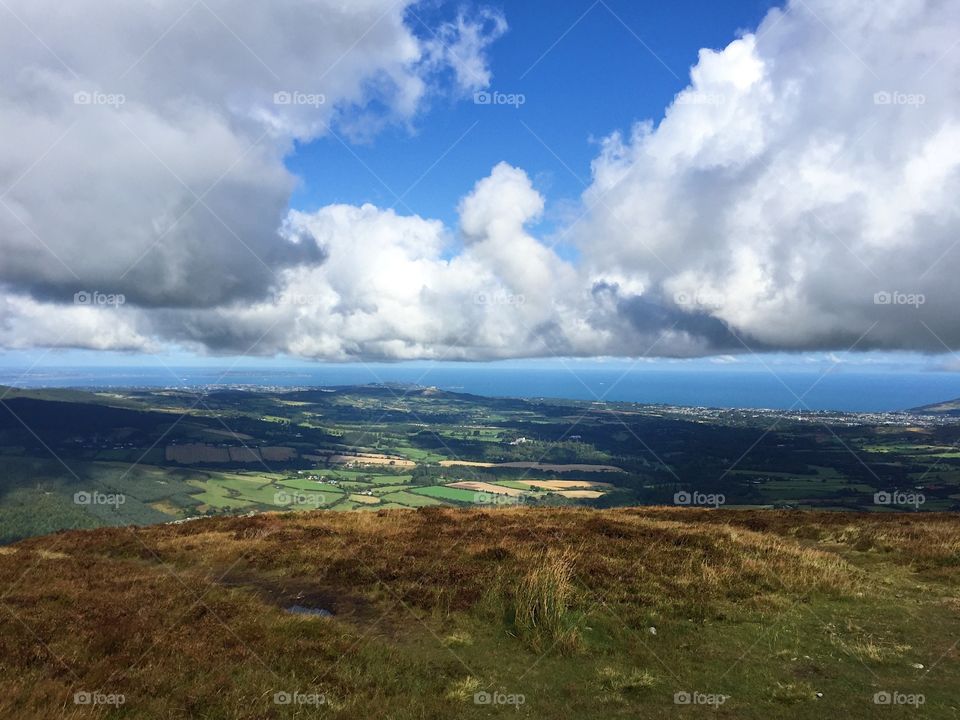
[389, 288]
[144, 142]
[798, 194]
[26, 323]
[801, 191]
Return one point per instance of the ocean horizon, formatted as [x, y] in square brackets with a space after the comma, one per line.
[850, 391]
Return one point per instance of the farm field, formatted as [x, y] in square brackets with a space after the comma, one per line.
[487, 488]
[143, 457]
[532, 466]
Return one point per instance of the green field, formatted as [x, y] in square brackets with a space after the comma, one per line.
[445, 493]
[220, 498]
[310, 485]
[116, 443]
[409, 499]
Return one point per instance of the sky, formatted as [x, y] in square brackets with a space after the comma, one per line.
[689, 183]
[568, 61]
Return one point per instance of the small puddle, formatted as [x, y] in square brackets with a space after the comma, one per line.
[302, 596]
[309, 611]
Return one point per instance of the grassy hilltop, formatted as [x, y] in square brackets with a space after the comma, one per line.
[525, 612]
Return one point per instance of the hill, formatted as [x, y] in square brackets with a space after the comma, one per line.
[442, 613]
[950, 407]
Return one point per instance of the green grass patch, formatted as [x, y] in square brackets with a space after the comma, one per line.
[445, 493]
[409, 499]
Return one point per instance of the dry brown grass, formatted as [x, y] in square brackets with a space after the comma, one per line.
[919, 540]
[161, 611]
[445, 557]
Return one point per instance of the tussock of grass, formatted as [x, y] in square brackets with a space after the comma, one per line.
[458, 639]
[877, 652]
[541, 603]
[463, 689]
[621, 681]
[793, 693]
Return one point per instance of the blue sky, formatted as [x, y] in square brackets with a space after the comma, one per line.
[584, 71]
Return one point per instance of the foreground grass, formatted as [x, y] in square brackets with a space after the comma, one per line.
[543, 613]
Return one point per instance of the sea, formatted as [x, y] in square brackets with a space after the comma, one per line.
[851, 391]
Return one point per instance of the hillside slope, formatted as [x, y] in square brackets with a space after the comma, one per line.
[439, 613]
[950, 407]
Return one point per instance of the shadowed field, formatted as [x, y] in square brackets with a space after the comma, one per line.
[541, 613]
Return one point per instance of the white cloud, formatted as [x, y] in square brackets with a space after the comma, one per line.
[462, 46]
[388, 288]
[798, 193]
[144, 142]
[778, 187]
[26, 323]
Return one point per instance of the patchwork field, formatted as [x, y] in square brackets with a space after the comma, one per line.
[367, 459]
[487, 488]
[71, 459]
[580, 493]
[563, 484]
[160, 494]
[547, 467]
